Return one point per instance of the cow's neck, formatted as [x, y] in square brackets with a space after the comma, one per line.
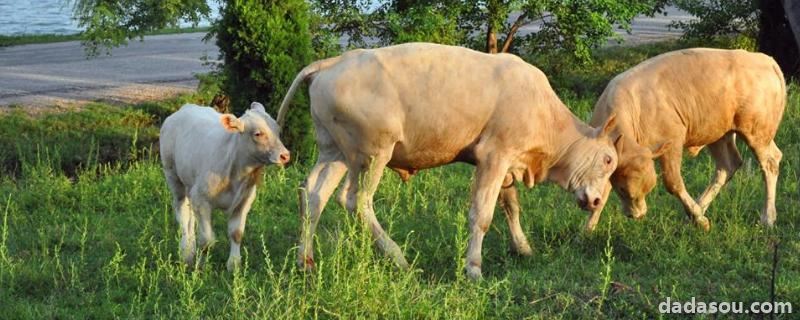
[564, 141]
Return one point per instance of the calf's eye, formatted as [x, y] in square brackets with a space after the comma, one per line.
[607, 159]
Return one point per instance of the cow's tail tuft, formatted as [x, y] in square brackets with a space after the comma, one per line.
[304, 75]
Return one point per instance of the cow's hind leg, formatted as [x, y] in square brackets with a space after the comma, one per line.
[671, 164]
[769, 157]
[489, 176]
[315, 192]
[364, 174]
[728, 160]
[510, 202]
[184, 217]
[236, 222]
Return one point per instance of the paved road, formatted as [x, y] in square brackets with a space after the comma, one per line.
[59, 74]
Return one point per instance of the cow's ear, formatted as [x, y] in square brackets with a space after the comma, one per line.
[618, 144]
[257, 106]
[607, 127]
[661, 149]
[231, 123]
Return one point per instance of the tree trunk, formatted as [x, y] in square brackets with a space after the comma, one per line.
[491, 39]
[776, 39]
[792, 9]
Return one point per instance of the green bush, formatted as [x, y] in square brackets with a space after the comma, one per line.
[264, 44]
[719, 17]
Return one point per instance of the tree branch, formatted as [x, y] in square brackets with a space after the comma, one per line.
[511, 32]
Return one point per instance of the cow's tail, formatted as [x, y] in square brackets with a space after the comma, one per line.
[303, 76]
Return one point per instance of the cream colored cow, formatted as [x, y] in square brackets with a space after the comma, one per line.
[417, 106]
[214, 160]
[691, 99]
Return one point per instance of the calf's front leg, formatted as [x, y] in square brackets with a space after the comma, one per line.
[236, 222]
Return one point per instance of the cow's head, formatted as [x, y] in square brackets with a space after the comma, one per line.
[260, 135]
[587, 166]
[636, 176]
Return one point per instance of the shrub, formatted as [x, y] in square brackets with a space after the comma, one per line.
[263, 44]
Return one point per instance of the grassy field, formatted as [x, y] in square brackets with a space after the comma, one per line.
[87, 231]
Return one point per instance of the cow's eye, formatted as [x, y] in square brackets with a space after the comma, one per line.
[607, 159]
[258, 134]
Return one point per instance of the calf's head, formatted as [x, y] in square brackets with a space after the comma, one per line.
[635, 176]
[587, 166]
[259, 135]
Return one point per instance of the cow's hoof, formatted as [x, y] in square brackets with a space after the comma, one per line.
[589, 227]
[768, 220]
[474, 273]
[523, 250]
[402, 264]
[306, 264]
[703, 223]
[234, 263]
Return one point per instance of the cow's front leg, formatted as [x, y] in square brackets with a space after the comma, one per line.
[489, 176]
[671, 164]
[236, 222]
[509, 201]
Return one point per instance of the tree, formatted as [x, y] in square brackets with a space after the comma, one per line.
[111, 23]
[263, 44]
[775, 38]
[574, 27]
[763, 20]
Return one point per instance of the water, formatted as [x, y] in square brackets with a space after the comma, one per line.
[29, 17]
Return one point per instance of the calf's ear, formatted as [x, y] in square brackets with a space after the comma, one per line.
[607, 127]
[231, 123]
[257, 106]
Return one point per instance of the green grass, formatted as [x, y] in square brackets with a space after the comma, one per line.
[101, 242]
[6, 40]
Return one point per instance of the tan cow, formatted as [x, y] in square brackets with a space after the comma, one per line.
[690, 99]
[417, 106]
[214, 160]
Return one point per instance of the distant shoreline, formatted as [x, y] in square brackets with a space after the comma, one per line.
[15, 40]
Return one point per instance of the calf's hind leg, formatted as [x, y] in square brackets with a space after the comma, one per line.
[184, 217]
[728, 160]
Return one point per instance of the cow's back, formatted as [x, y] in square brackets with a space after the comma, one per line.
[702, 91]
[436, 100]
[189, 138]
